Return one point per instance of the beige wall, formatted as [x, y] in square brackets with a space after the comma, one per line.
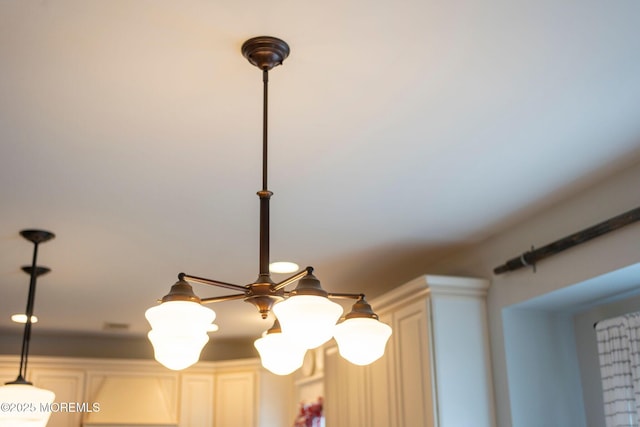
[615, 195]
[113, 346]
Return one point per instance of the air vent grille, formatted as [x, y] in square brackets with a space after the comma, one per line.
[112, 326]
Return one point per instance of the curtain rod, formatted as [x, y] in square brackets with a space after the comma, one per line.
[531, 257]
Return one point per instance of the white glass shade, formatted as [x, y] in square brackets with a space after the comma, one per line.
[308, 319]
[362, 340]
[25, 405]
[179, 332]
[280, 354]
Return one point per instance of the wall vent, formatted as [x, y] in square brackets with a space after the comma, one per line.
[112, 326]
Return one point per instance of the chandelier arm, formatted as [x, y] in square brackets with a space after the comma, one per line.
[202, 280]
[346, 296]
[222, 298]
[297, 276]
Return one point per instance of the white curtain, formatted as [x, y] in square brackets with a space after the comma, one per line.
[619, 353]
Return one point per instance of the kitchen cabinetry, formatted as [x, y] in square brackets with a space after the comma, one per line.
[118, 393]
[235, 399]
[436, 370]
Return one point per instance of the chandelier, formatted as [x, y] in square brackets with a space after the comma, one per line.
[23, 404]
[306, 317]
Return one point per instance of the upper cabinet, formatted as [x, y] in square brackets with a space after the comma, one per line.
[121, 393]
[236, 398]
[436, 369]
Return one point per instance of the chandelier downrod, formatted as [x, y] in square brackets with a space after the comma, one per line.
[264, 194]
[265, 52]
[265, 124]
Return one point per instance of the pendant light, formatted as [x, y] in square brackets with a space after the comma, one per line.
[305, 317]
[308, 316]
[361, 337]
[28, 406]
[279, 353]
[179, 327]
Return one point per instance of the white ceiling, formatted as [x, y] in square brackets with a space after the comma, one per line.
[399, 131]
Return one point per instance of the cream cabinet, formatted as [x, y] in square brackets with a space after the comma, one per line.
[69, 387]
[251, 397]
[235, 399]
[436, 370]
[111, 392]
[195, 400]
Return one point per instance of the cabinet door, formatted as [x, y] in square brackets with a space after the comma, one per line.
[382, 387]
[333, 399]
[347, 397]
[411, 339]
[195, 400]
[235, 402]
[68, 385]
[358, 396]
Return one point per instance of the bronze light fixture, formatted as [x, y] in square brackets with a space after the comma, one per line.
[26, 404]
[305, 316]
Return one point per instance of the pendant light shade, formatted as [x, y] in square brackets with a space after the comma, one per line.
[308, 319]
[26, 405]
[308, 315]
[278, 352]
[179, 332]
[361, 337]
[362, 340]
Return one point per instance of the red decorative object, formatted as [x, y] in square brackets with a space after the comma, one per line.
[310, 415]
